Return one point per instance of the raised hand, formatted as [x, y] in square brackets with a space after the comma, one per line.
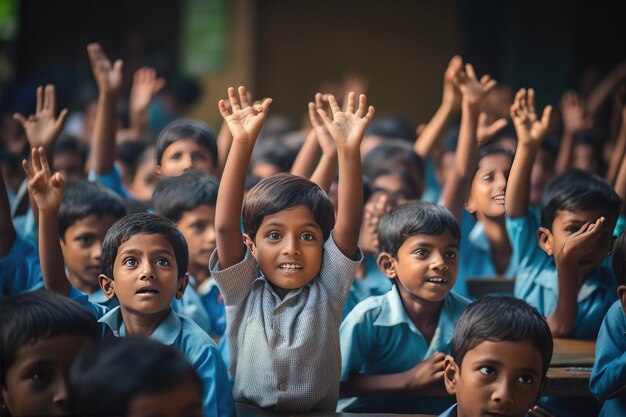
[145, 85]
[573, 112]
[108, 77]
[324, 138]
[426, 372]
[244, 120]
[485, 132]
[373, 211]
[46, 189]
[347, 127]
[530, 129]
[43, 127]
[473, 90]
[582, 242]
[451, 93]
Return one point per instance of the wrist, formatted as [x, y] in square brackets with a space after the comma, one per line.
[472, 105]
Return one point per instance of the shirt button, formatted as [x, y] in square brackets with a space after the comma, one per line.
[282, 387]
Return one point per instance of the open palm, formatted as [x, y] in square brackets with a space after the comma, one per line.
[244, 121]
[43, 128]
[347, 127]
[528, 126]
[44, 187]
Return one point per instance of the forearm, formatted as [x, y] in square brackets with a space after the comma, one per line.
[617, 155]
[7, 231]
[308, 157]
[325, 172]
[103, 147]
[518, 188]
[350, 202]
[433, 131]
[224, 142]
[603, 90]
[561, 321]
[230, 248]
[139, 122]
[564, 156]
[50, 254]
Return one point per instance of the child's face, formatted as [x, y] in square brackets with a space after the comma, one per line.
[496, 378]
[584, 158]
[145, 275]
[36, 383]
[395, 186]
[184, 400]
[489, 186]
[185, 155]
[288, 248]
[566, 223]
[198, 227]
[425, 266]
[144, 181]
[70, 166]
[82, 247]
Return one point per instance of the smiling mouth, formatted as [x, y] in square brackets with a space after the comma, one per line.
[290, 267]
[147, 291]
[499, 199]
[437, 280]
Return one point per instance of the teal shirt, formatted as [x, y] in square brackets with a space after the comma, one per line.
[378, 337]
[373, 283]
[537, 281]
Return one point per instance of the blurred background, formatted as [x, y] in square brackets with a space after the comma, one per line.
[290, 49]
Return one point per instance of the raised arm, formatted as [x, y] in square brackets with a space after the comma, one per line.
[7, 231]
[449, 107]
[574, 115]
[145, 86]
[530, 132]
[109, 80]
[327, 166]
[457, 185]
[308, 156]
[617, 156]
[604, 88]
[244, 122]
[347, 129]
[47, 191]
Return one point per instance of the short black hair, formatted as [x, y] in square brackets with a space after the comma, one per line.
[71, 144]
[274, 153]
[282, 192]
[501, 319]
[414, 218]
[619, 258]
[145, 223]
[86, 198]
[493, 149]
[32, 316]
[578, 190]
[174, 196]
[395, 154]
[416, 191]
[105, 380]
[134, 153]
[186, 129]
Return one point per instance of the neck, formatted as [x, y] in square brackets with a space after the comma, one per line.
[499, 244]
[139, 324]
[199, 273]
[424, 314]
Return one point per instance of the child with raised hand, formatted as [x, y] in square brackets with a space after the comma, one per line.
[608, 377]
[41, 333]
[500, 354]
[419, 248]
[282, 325]
[144, 266]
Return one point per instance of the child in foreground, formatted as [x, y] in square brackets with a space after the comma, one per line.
[498, 361]
[419, 245]
[608, 378]
[151, 379]
[283, 324]
[41, 334]
[144, 266]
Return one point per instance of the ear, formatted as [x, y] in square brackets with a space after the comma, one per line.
[544, 240]
[108, 286]
[182, 284]
[157, 170]
[621, 293]
[3, 402]
[470, 205]
[450, 374]
[249, 243]
[386, 263]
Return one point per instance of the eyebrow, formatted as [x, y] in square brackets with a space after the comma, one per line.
[279, 224]
[430, 245]
[136, 252]
[492, 362]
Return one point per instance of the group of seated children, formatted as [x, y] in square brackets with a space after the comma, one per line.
[138, 292]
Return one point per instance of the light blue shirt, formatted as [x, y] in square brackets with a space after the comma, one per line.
[19, 269]
[112, 180]
[475, 255]
[609, 370]
[98, 297]
[190, 305]
[450, 412]
[213, 304]
[373, 283]
[378, 337]
[537, 280]
[197, 346]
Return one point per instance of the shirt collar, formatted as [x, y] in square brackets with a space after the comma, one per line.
[166, 332]
[98, 297]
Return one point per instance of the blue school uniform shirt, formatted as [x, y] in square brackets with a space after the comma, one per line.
[433, 189]
[190, 305]
[213, 304]
[609, 370]
[112, 180]
[537, 281]
[378, 337]
[182, 333]
[373, 283]
[19, 269]
[475, 255]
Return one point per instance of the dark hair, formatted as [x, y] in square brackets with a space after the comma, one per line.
[32, 316]
[174, 196]
[403, 176]
[285, 191]
[105, 380]
[132, 154]
[86, 198]
[71, 144]
[619, 258]
[492, 149]
[414, 218]
[273, 153]
[578, 190]
[592, 139]
[395, 154]
[149, 224]
[186, 129]
[501, 319]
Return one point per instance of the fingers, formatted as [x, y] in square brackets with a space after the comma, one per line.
[243, 97]
[49, 102]
[531, 101]
[334, 106]
[118, 65]
[34, 160]
[319, 103]
[350, 105]
[39, 106]
[57, 181]
[488, 85]
[313, 116]
[266, 105]
[61, 119]
[232, 97]
[545, 118]
[362, 105]
[18, 117]
[325, 118]
[221, 105]
[27, 169]
[43, 160]
[370, 113]
[469, 70]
